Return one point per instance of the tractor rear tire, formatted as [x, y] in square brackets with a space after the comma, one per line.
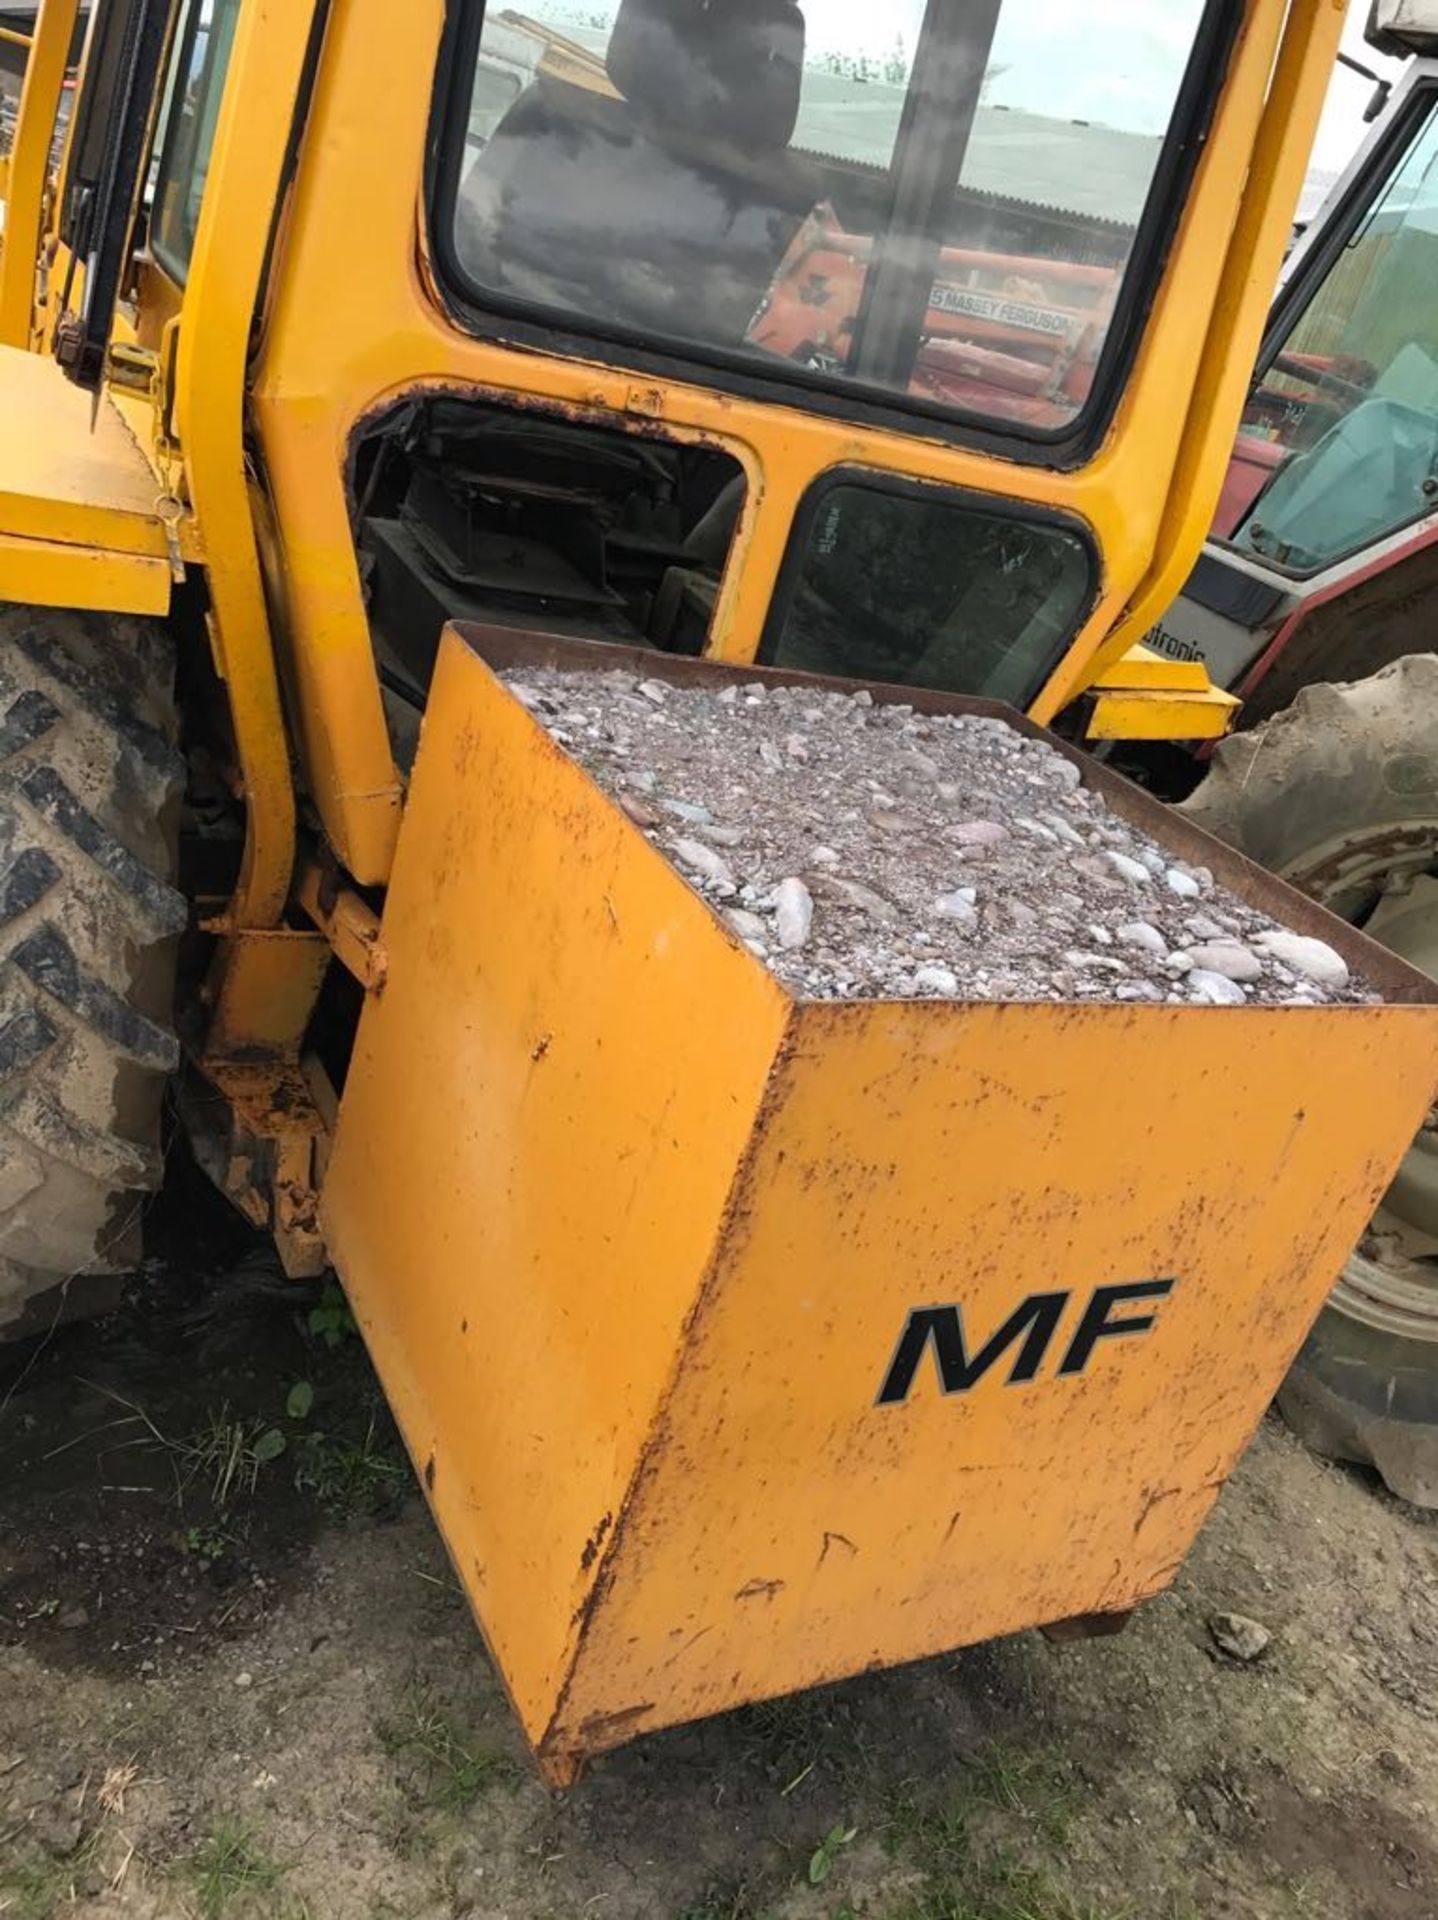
[90, 786]
[1339, 794]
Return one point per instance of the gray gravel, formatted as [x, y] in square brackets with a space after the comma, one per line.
[868, 851]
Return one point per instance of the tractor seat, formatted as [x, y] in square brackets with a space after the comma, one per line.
[666, 206]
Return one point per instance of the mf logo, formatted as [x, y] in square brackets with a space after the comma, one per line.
[1030, 1329]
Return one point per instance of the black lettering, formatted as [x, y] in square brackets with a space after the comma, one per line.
[1036, 1320]
[1096, 1324]
[1162, 641]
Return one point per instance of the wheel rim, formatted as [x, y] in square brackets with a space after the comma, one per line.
[1384, 883]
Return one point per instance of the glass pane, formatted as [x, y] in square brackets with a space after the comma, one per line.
[1339, 444]
[103, 71]
[202, 55]
[931, 593]
[180, 52]
[928, 198]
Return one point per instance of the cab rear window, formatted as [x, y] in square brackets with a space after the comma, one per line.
[944, 203]
[924, 586]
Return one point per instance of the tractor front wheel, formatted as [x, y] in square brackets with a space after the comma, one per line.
[1339, 795]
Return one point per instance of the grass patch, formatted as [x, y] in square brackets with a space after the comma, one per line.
[1000, 1887]
[724, 1900]
[351, 1478]
[444, 1769]
[1039, 1787]
[964, 1845]
[231, 1874]
[228, 1455]
[935, 1837]
[39, 1886]
[804, 1734]
[400, 1825]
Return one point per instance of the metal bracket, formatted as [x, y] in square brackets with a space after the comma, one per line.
[261, 1118]
[262, 1135]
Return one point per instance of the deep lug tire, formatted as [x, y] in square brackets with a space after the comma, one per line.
[1339, 794]
[90, 786]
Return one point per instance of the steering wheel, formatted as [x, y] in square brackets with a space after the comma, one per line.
[1321, 380]
[1331, 398]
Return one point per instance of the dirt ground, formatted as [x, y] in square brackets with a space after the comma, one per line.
[237, 1678]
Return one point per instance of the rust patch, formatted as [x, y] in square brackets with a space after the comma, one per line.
[595, 1542]
[760, 1590]
[602, 1730]
[689, 1644]
[835, 1540]
[1153, 1496]
[429, 1474]
[1161, 1576]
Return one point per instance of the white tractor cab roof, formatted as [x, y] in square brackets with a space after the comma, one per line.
[1403, 26]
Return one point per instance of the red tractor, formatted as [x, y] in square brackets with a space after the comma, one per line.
[1316, 603]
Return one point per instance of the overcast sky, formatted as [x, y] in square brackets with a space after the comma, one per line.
[1116, 61]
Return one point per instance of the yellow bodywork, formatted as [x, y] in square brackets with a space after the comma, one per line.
[68, 476]
[27, 167]
[389, 336]
[80, 519]
[632, 1235]
[1142, 695]
[1146, 494]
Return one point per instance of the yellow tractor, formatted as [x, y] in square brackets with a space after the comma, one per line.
[349, 353]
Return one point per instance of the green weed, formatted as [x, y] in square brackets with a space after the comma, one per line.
[231, 1874]
[207, 1543]
[330, 1320]
[39, 1886]
[446, 1770]
[724, 1900]
[1039, 1787]
[824, 1857]
[350, 1478]
[1001, 1887]
[228, 1454]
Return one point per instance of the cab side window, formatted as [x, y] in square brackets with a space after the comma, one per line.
[1339, 442]
[195, 87]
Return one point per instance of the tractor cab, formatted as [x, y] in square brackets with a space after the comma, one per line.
[357, 356]
[1324, 539]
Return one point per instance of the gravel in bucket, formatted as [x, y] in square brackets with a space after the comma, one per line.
[866, 851]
